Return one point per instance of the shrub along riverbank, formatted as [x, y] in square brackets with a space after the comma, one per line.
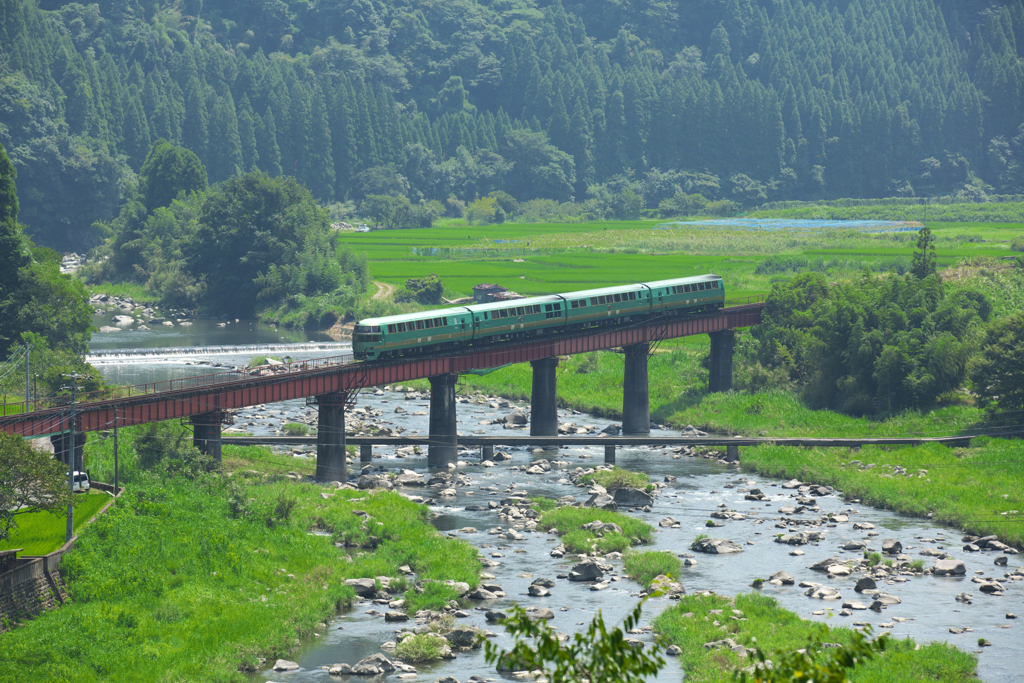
[778, 629]
[183, 580]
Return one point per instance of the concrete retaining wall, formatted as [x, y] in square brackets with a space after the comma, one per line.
[35, 584]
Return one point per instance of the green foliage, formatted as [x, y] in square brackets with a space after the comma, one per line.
[698, 539]
[425, 290]
[30, 481]
[167, 171]
[421, 648]
[618, 478]
[645, 567]
[433, 595]
[296, 429]
[871, 345]
[924, 257]
[598, 653]
[997, 372]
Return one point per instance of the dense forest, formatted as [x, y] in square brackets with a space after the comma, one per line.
[623, 104]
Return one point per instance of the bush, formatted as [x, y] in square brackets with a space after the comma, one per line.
[645, 567]
[1017, 244]
[421, 648]
[618, 478]
[698, 539]
[296, 429]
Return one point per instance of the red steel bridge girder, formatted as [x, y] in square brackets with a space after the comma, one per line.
[351, 377]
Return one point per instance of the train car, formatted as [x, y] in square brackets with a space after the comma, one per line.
[446, 328]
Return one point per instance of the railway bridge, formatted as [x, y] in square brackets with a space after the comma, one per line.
[332, 384]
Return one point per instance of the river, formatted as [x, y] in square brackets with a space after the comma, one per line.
[926, 613]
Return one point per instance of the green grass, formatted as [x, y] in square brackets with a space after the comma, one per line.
[186, 580]
[568, 521]
[645, 567]
[777, 629]
[11, 404]
[968, 488]
[421, 648]
[911, 209]
[40, 533]
[618, 478]
[296, 429]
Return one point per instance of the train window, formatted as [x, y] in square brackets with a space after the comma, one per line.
[429, 323]
[520, 311]
[574, 304]
[419, 324]
[632, 296]
[593, 301]
[401, 327]
[600, 299]
[391, 329]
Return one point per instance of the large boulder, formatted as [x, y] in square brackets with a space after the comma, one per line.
[285, 665]
[122, 320]
[373, 481]
[463, 637]
[783, 579]
[663, 585]
[949, 568]
[516, 417]
[587, 570]
[602, 501]
[823, 593]
[716, 546]
[410, 478]
[633, 498]
[891, 546]
[364, 588]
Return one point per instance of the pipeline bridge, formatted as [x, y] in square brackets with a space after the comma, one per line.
[333, 383]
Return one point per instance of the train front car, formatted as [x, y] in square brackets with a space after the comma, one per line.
[411, 333]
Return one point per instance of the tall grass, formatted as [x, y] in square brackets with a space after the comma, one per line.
[779, 630]
[136, 292]
[968, 488]
[40, 533]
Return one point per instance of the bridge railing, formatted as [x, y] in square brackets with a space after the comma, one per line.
[746, 301]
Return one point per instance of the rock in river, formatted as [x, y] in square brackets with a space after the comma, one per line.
[716, 546]
[634, 498]
[586, 571]
[950, 568]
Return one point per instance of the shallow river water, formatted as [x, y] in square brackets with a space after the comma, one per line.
[928, 603]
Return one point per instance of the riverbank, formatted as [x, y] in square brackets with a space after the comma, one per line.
[762, 622]
[202, 580]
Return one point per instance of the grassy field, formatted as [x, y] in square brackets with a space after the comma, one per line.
[539, 258]
[569, 520]
[779, 630]
[40, 533]
[189, 580]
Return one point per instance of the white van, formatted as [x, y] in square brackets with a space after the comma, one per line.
[81, 482]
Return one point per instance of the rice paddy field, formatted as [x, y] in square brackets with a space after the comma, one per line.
[535, 259]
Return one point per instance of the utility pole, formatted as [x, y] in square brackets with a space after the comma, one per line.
[70, 531]
[115, 453]
[28, 350]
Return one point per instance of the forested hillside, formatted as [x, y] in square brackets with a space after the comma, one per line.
[622, 103]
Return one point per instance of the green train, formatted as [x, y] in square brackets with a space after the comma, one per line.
[449, 328]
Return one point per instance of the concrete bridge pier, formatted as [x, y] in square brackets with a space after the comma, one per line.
[722, 344]
[609, 455]
[443, 447]
[331, 458]
[636, 408]
[544, 398]
[486, 453]
[365, 454]
[64, 450]
[732, 453]
[206, 433]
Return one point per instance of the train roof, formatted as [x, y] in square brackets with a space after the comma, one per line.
[684, 280]
[512, 303]
[421, 315]
[602, 291]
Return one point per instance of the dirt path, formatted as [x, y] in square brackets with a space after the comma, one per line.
[384, 290]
